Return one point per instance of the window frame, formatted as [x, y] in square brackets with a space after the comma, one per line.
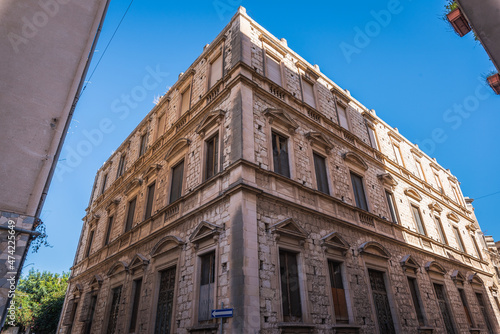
[121, 165]
[288, 148]
[313, 83]
[143, 143]
[397, 149]
[326, 169]
[128, 227]
[344, 106]
[363, 188]
[148, 213]
[459, 240]
[216, 158]
[134, 298]
[183, 178]
[103, 183]
[185, 88]
[418, 296]
[346, 289]
[301, 286]
[278, 61]
[109, 227]
[417, 207]
[440, 229]
[213, 59]
[420, 171]
[90, 241]
[393, 212]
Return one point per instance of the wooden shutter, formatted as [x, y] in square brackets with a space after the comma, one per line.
[161, 126]
[215, 71]
[130, 214]
[418, 219]
[309, 93]
[321, 175]
[185, 96]
[359, 192]
[149, 203]
[108, 230]
[273, 70]
[342, 117]
[373, 140]
[290, 287]
[338, 293]
[211, 167]
[177, 176]
[392, 209]
[465, 306]
[459, 239]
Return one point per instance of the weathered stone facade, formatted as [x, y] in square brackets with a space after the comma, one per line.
[239, 205]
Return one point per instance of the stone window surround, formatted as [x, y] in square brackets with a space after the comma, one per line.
[324, 154]
[302, 274]
[115, 279]
[379, 263]
[201, 249]
[314, 83]
[361, 172]
[284, 132]
[217, 51]
[412, 273]
[278, 56]
[129, 197]
[186, 83]
[172, 159]
[163, 260]
[416, 205]
[130, 297]
[394, 204]
[347, 288]
[145, 192]
[215, 130]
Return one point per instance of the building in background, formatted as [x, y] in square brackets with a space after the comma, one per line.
[45, 49]
[259, 184]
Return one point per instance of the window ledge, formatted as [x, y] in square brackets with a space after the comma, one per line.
[203, 328]
[295, 325]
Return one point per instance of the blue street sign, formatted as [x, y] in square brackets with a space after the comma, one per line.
[222, 313]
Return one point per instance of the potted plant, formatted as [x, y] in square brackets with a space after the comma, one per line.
[494, 82]
[457, 19]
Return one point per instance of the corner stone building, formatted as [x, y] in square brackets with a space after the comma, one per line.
[258, 184]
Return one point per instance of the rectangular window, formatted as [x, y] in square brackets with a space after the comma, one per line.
[457, 196]
[185, 99]
[113, 313]
[108, 230]
[121, 166]
[460, 243]
[338, 293]
[150, 201]
[290, 287]
[381, 299]
[130, 214]
[371, 136]
[104, 181]
[439, 227]
[144, 142]
[212, 159]
[215, 71]
[88, 325]
[465, 305]
[207, 282]
[273, 69]
[135, 304]
[418, 220]
[412, 282]
[359, 191]
[397, 154]
[280, 155]
[94, 188]
[482, 306]
[342, 114]
[161, 126]
[309, 93]
[89, 244]
[72, 316]
[438, 182]
[444, 307]
[476, 247]
[177, 178]
[420, 170]
[392, 206]
[165, 301]
[321, 176]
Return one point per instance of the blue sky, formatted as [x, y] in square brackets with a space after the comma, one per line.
[410, 67]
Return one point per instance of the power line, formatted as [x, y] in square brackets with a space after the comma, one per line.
[496, 192]
[106, 48]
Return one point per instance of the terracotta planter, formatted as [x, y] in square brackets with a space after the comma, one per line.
[459, 22]
[494, 82]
